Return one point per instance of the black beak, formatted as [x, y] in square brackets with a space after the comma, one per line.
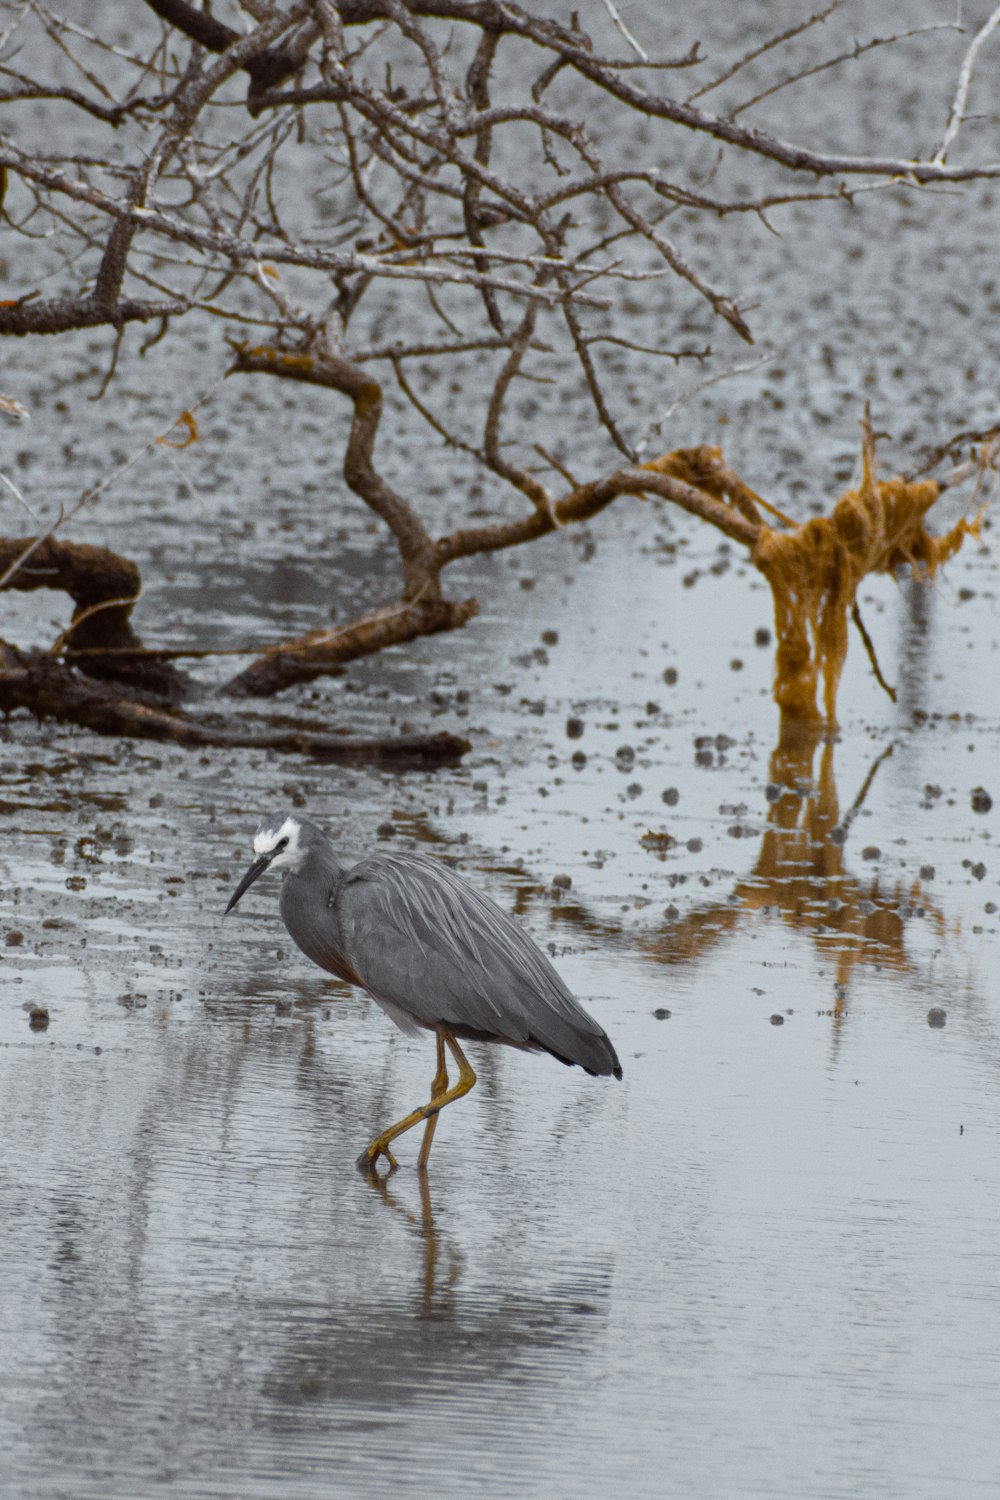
[257, 868]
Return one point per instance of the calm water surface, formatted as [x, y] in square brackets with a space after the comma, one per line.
[765, 1264]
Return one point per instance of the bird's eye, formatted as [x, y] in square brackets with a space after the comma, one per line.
[281, 844]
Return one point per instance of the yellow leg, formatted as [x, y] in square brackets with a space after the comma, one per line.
[438, 1087]
[466, 1079]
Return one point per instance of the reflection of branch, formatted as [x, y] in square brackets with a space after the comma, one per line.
[799, 877]
[859, 800]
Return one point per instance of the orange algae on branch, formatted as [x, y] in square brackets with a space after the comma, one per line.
[705, 469]
[189, 422]
[814, 571]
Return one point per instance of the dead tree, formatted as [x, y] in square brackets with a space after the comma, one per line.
[451, 159]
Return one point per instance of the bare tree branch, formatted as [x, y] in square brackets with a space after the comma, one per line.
[956, 114]
[423, 182]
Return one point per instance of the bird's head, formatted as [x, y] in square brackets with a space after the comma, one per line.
[280, 843]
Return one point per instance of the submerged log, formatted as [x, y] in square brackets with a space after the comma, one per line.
[52, 689]
[321, 652]
[104, 587]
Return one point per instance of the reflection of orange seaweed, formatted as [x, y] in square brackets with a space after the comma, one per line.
[800, 877]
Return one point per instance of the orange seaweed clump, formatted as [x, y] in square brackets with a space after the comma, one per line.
[814, 571]
[705, 469]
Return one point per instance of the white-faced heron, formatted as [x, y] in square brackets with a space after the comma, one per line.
[434, 952]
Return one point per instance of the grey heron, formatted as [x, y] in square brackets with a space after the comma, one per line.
[433, 951]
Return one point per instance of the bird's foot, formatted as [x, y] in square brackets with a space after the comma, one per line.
[368, 1160]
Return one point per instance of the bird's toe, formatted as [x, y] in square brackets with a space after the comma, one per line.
[368, 1160]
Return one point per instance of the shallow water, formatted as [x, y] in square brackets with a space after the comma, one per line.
[764, 1264]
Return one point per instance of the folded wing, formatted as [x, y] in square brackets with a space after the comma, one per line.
[433, 949]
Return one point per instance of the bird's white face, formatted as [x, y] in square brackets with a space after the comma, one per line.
[284, 844]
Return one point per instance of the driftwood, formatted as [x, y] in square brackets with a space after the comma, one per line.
[104, 587]
[138, 690]
[50, 689]
[451, 146]
[423, 609]
[814, 571]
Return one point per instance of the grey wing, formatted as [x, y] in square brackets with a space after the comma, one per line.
[432, 947]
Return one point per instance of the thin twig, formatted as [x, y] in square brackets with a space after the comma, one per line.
[870, 648]
[769, 45]
[858, 50]
[98, 489]
[619, 25]
[956, 114]
[656, 426]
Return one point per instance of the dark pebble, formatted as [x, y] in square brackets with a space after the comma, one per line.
[38, 1018]
[661, 1013]
[670, 676]
[574, 728]
[777, 1020]
[762, 637]
[14, 939]
[671, 796]
[981, 800]
[937, 1017]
